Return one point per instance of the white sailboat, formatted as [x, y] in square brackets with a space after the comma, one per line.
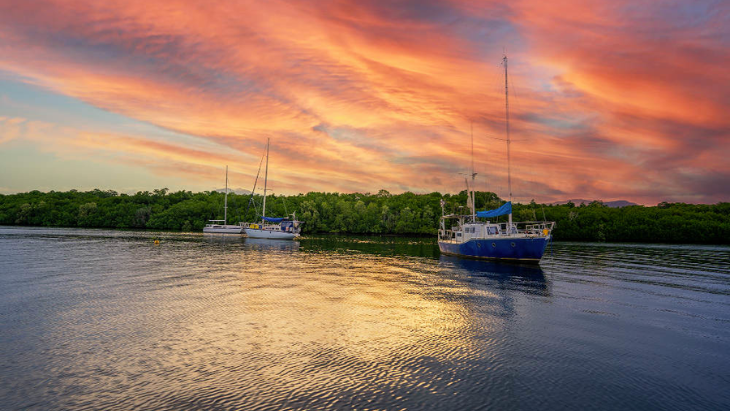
[220, 226]
[278, 228]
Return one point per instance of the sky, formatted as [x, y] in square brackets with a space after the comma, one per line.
[609, 99]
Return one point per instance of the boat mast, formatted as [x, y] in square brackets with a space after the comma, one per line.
[225, 202]
[509, 165]
[468, 192]
[266, 177]
[473, 176]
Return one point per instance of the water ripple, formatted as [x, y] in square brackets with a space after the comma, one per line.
[96, 319]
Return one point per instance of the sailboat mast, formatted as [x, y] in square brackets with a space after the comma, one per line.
[509, 164]
[225, 202]
[266, 175]
[473, 176]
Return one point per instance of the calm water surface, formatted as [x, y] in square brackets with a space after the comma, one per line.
[95, 319]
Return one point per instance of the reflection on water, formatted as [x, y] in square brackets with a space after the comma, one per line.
[528, 278]
[218, 238]
[381, 246]
[95, 319]
[260, 244]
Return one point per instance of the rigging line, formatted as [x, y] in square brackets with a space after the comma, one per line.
[527, 166]
[250, 199]
[235, 205]
[283, 200]
[495, 88]
[492, 89]
[255, 207]
[472, 149]
[544, 219]
[515, 105]
[232, 193]
[506, 105]
[473, 176]
[515, 139]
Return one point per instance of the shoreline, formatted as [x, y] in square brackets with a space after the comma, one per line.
[404, 236]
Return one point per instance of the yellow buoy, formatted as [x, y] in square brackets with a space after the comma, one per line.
[545, 232]
[157, 242]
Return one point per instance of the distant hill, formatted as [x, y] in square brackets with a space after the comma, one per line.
[612, 204]
[620, 203]
[239, 191]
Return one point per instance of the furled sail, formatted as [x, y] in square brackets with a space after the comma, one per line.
[274, 220]
[506, 208]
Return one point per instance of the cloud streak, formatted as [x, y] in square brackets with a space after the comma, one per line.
[611, 99]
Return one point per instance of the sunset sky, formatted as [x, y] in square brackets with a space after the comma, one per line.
[609, 99]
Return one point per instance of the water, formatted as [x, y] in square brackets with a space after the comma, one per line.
[96, 319]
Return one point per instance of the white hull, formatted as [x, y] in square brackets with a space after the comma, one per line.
[271, 234]
[220, 226]
[223, 229]
[271, 228]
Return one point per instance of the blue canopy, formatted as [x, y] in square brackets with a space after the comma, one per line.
[274, 219]
[506, 208]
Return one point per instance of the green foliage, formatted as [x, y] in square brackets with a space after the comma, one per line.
[381, 213]
[664, 223]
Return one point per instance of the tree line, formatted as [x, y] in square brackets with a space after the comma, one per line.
[361, 213]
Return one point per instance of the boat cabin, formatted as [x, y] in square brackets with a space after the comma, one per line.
[465, 229]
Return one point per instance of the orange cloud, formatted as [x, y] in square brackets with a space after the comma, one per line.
[609, 101]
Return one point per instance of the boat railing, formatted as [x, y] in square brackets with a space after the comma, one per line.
[527, 228]
[537, 228]
[271, 227]
[259, 226]
[530, 229]
[447, 235]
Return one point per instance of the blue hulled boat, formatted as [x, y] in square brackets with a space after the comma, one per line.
[468, 236]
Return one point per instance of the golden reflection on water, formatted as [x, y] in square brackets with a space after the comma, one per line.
[263, 324]
[323, 323]
[355, 303]
[108, 320]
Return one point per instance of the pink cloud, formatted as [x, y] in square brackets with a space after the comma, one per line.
[613, 99]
